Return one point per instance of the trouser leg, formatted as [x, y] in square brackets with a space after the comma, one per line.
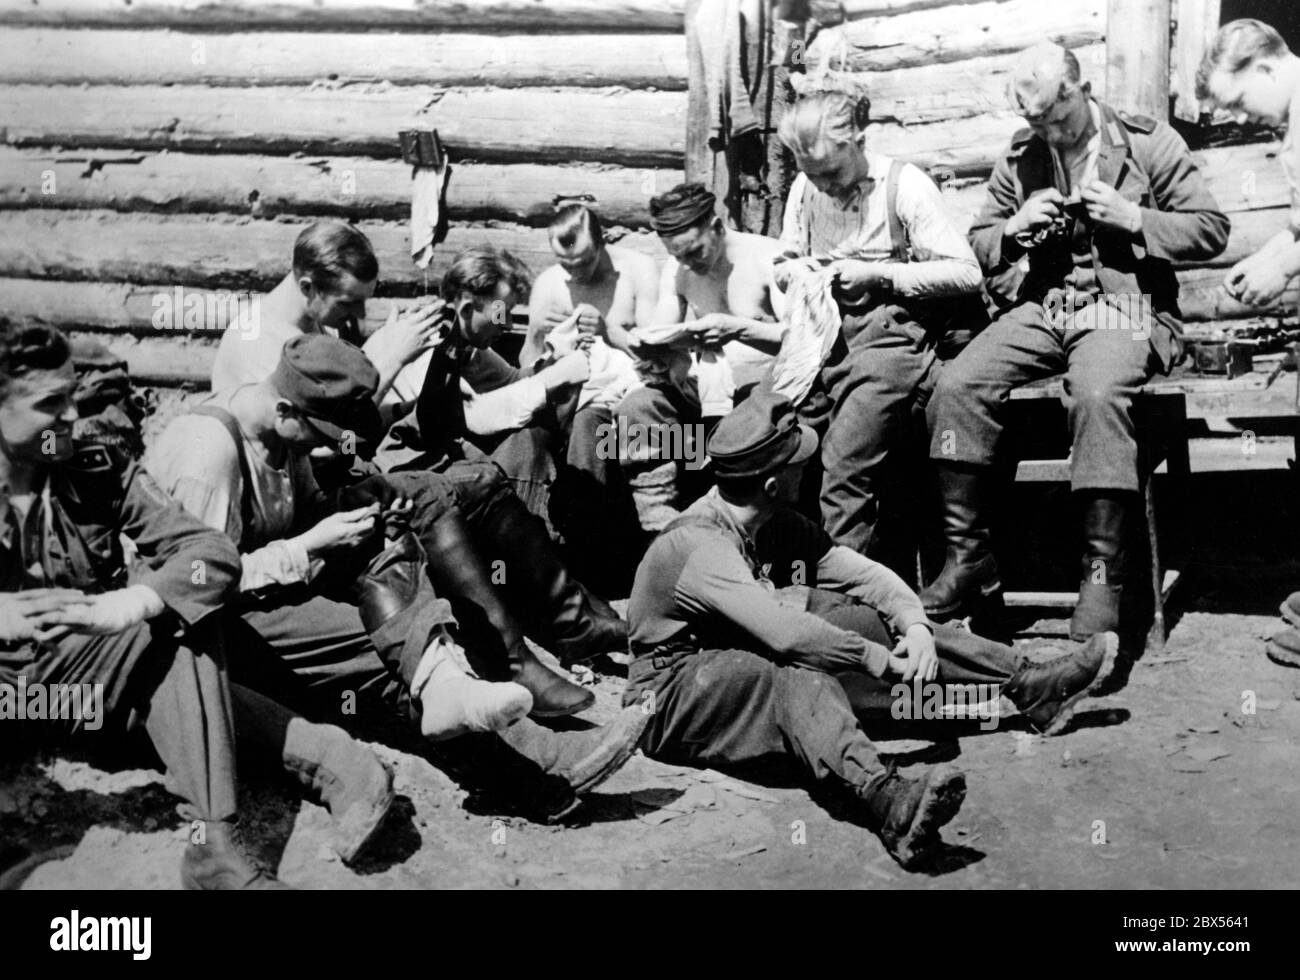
[1109, 359]
[178, 688]
[732, 707]
[655, 476]
[882, 372]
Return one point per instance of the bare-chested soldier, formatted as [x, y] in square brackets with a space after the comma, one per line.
[717, 287]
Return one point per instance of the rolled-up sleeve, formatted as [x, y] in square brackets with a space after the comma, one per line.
[498, 396]
[943, 262]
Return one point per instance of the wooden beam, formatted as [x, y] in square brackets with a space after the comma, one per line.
[1137, 54]
[516, 15]
[956, 32]
[100, 57]
[1197, 21]
[230, 253]
[602, 126]
[142, 309]
[350, 187]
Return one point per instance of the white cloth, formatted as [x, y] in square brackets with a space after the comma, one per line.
[613, 373]
[428, 225]
[813, 326]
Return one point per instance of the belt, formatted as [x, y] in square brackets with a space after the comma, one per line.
[667, 654]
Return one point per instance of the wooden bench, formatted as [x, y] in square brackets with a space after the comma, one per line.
[1163, 410]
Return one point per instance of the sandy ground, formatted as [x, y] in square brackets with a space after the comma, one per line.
[1182, 778]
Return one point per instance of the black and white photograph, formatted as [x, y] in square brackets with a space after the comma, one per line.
[593, 445]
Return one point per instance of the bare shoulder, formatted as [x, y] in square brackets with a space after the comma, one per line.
[632, 262]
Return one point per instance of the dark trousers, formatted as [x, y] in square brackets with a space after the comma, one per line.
[727, 708]
[176, 688]
[878, 379]
[1105, 357]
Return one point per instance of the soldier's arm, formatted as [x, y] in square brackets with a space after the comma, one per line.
[943, 263]
[1186, 224]
[715, 581]
[842, 569]
[192, 568]
[993, 250]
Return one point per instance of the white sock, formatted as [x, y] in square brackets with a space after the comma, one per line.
[455, 702]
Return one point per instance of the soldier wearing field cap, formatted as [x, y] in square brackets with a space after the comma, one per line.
[756, 637]
[1100, 204]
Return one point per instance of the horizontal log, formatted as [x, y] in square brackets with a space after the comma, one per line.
[351, 187]
[170, 361]
[605, 126]
[581, 15]
[229, 253]
[954, 90]
[98, 57]
[144, 310]
[954, 33]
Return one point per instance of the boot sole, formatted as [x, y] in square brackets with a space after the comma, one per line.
[578, 708]
[625, 750]
[1281, 655]
[369, 833]
[944, 794]
[1070, 705]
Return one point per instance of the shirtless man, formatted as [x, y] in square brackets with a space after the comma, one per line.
[592, 298]
[717, 286]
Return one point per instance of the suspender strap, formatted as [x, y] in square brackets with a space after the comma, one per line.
[232, 427]
[899, 243]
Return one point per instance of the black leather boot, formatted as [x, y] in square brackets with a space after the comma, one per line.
[398, 606]
[906, 814]
[1105, 534]
[221, 862]
[970, 572]
[458, 571]
[557, 611]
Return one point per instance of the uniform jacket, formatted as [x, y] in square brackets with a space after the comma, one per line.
[72, 539]
[1147, 162]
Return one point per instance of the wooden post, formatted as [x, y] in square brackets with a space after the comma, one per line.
[1197, 22]
[1137, 56]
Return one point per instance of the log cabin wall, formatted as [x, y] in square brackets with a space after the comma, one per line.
[150, 144]
[155, 143]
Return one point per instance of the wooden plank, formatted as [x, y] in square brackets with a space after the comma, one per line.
[517, 15]
[1137, 55]
[957, 89]
[1196, 22]
[604, 126]
[230, 253]
[144, 309]
[956, 32]
[112, 57]
[351, 187]
[1201, 297]
[1248, 177]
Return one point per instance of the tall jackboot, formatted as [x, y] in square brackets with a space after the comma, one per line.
[970, 572]
[558, 612]
[409, 626]
[1106, 518]
[458, 570]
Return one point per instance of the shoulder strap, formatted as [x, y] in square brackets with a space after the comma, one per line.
[900, 244]
[232, 427]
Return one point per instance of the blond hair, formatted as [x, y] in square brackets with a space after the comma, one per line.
[832, 113]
